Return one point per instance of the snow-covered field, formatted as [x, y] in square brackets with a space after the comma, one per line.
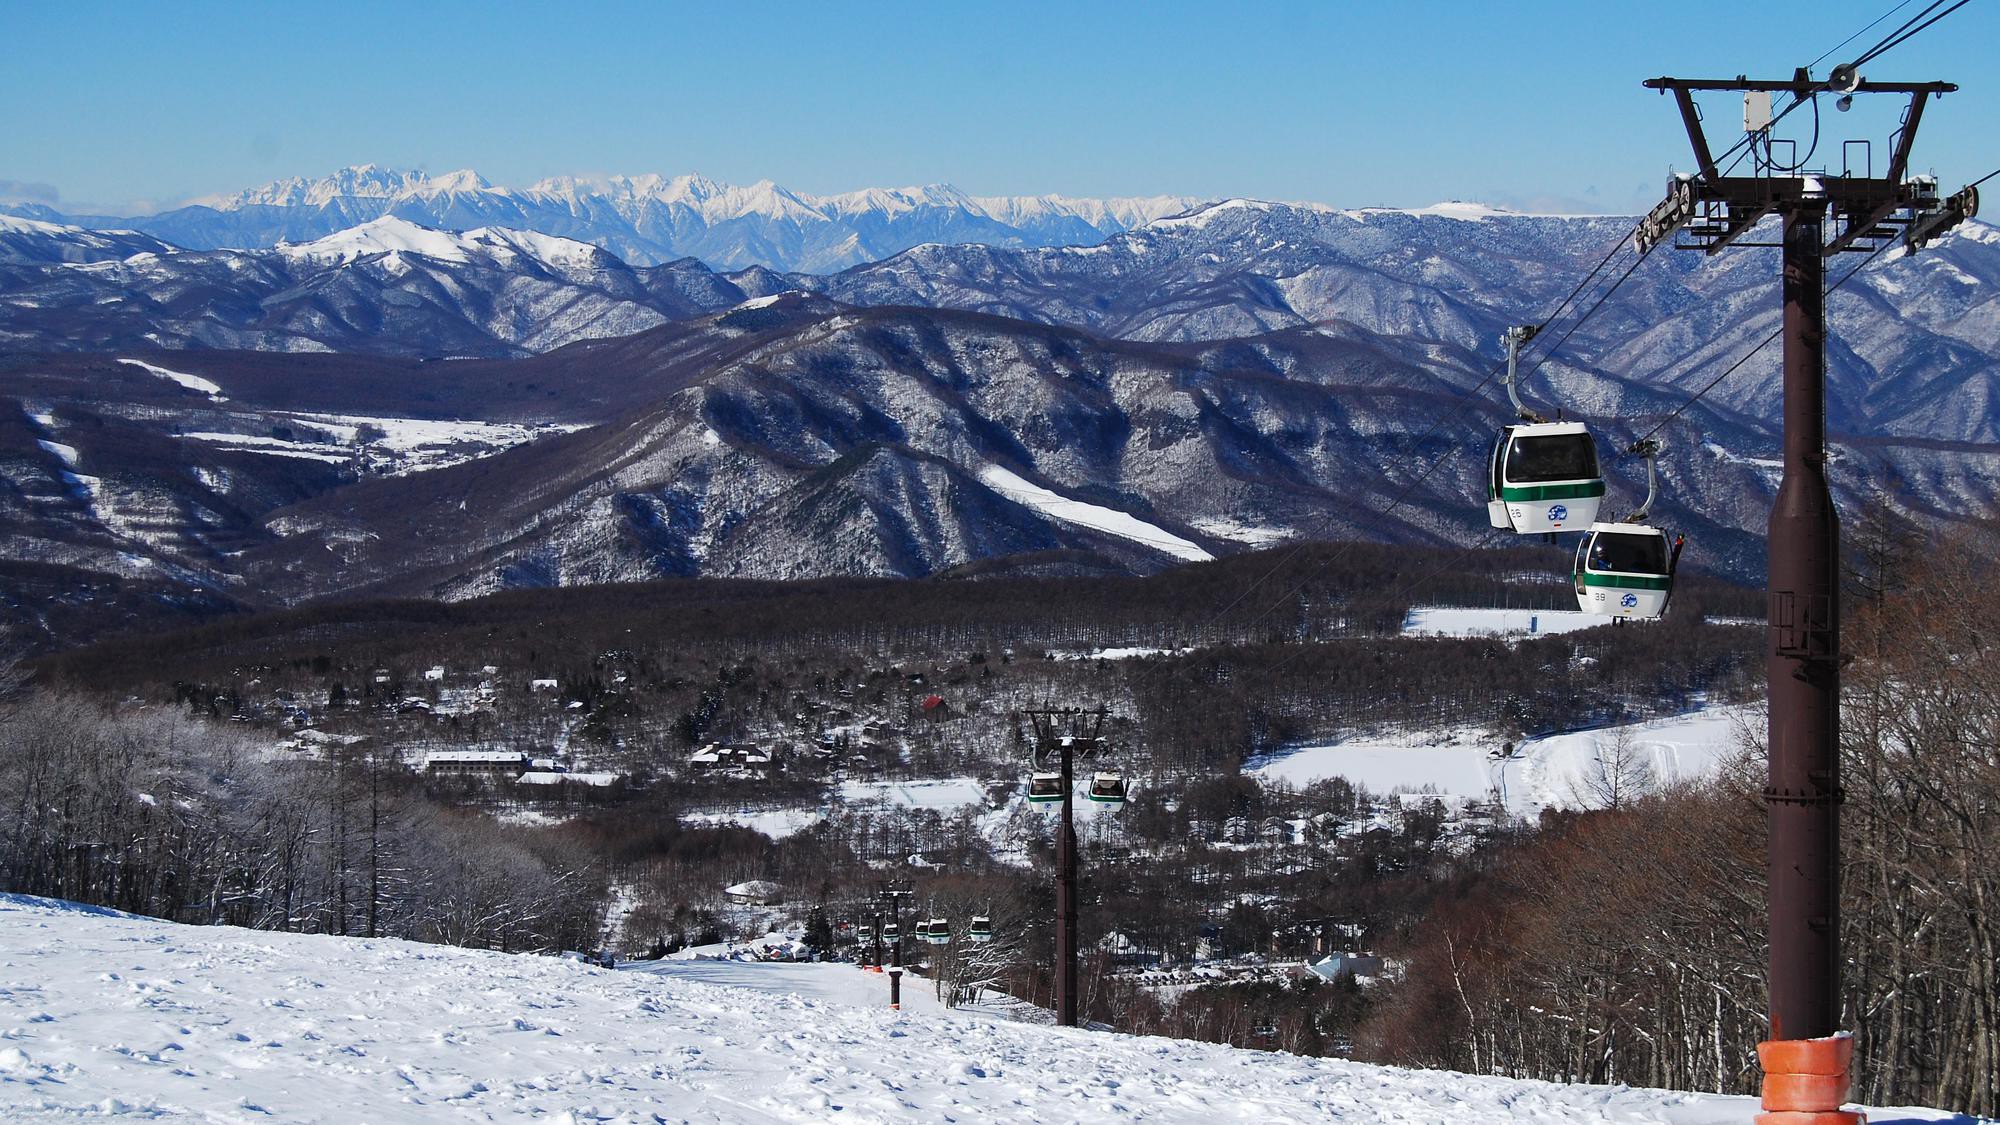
[946, 795]
[391, 445]
[1554, 771]
[1463, 621]
[104, 1015]
[1454, 764]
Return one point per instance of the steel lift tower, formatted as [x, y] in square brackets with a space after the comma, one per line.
[1060, 749]
[1822, 213]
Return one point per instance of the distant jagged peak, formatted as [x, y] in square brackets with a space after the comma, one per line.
[1207, 214]
[463, 181]
[761, 198]
[359, 181]
[897, 200]
[1464, 210]
[692, 188]
[714, 199]
[1125, 211]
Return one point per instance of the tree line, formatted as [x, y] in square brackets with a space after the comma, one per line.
[1629, 945]
[148, 811]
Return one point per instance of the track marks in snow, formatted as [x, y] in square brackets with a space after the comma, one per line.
[140, 1018]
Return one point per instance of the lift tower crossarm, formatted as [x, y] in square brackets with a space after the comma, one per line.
[1794, 86]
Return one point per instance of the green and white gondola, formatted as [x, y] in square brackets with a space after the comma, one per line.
[1045, 787]
[1625, 570]
[1107, 788]
[1543, 477]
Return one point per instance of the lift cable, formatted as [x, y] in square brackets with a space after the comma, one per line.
[1865, 30]
[1893, 39]
[1903, 34]
[1435, 426]
[1409, 487]
[1760, 346]
[1442, 420]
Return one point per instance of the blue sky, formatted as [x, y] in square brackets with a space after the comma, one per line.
[123, 107]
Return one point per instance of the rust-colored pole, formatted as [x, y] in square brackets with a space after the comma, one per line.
[1066, 902]
[1802, 666]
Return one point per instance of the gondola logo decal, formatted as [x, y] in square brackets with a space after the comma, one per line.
[1629, 600]
[1558, 512]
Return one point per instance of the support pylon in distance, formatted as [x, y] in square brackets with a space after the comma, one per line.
[1063, 737]
[1823, 213]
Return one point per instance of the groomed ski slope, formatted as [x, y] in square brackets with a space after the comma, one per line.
[107, 1015]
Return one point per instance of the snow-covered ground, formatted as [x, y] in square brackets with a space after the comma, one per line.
[946, 795]
[388, 446]
[104, 1015]
[1125, 652]
[1463, 621]
[1554, 771]
[775, 823]
[1453, 763]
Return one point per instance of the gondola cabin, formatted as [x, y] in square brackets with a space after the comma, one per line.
[1108, 789]
[1625, 570]
[1543, 477]
[1045, 788]
[891, 932]
[982, 928]
[940, 932]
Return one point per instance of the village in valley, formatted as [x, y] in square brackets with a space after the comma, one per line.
[809, 790]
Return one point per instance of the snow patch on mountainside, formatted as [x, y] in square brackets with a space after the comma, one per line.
[1108, 520]
[67, 453]
[191, 382]
[385, 446]
[115, 1016]
[1224, 528]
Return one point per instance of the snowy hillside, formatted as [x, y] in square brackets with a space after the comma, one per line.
[108, 1015]
[1567, 770]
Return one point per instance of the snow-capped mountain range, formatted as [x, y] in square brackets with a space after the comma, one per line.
[385, 286]
[645, 220]
[1237, 376]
